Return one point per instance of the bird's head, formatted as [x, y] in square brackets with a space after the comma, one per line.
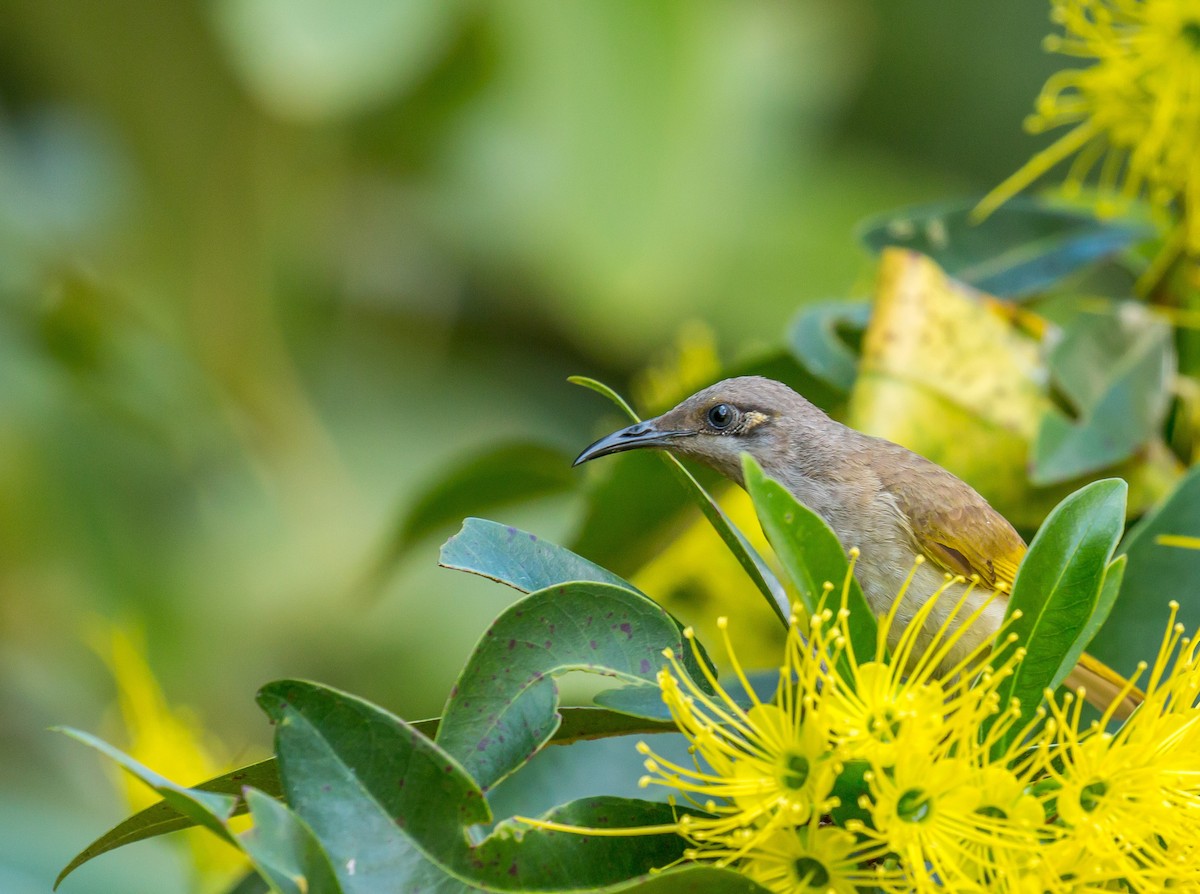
[715, 426]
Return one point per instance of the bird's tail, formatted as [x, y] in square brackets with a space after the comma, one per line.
[1102, 686]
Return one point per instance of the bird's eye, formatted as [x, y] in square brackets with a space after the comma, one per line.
[721, 416]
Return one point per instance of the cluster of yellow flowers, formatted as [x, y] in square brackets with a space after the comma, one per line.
[1066, 807]
[1134, 112]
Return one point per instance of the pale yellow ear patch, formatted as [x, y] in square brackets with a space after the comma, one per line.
[753, 419]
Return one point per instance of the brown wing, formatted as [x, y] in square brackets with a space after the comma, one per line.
[952, 524]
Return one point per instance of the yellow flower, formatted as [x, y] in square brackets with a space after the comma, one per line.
[765, 772]
[1135, 111]
[1129, 801]
[914, 703]
[1062, 809]
[818, 858]
[764, 767]
[954, 825]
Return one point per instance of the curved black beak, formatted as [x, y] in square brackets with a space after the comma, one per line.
[641, 434]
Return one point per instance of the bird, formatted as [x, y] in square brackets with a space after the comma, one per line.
[890, 503]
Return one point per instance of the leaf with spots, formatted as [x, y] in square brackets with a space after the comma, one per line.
[517, 558]
[578, 724]
[392, 809]
[504, 706]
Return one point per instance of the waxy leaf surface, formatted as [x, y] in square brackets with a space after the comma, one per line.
[812, 556]
[284, 849]
[1058, 587]
[504, 706]
[161, 818]
[392, 809]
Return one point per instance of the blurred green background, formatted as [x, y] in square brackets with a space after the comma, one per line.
[266, 265]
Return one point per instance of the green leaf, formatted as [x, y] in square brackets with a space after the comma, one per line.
[1021, 248]
[1154, 575]
[751, 562]
[284, 849]
[386, 802]
[365, 782]
[1114, 368]
[205, 808]
[1113, 575]
[499, 476]
[812, 556]
[578, 724]
[161, 818]
[815, 339]
[504, 706]
[519, 559]
[1058, 586]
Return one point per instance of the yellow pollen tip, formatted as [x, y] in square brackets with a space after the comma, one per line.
[919, 560]
[667, 653]
[855, 552]
[642, 748]
[1017, 614]
[722, 622]
[689, 633]
[644, 782]
[1173, 605]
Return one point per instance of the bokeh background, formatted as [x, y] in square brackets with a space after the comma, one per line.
[267, 265]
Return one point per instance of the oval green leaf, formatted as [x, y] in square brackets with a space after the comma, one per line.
[504, 706]
[390, 807]
[811, 555]
[1058, 587]
[519, 559]
[578, 724]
